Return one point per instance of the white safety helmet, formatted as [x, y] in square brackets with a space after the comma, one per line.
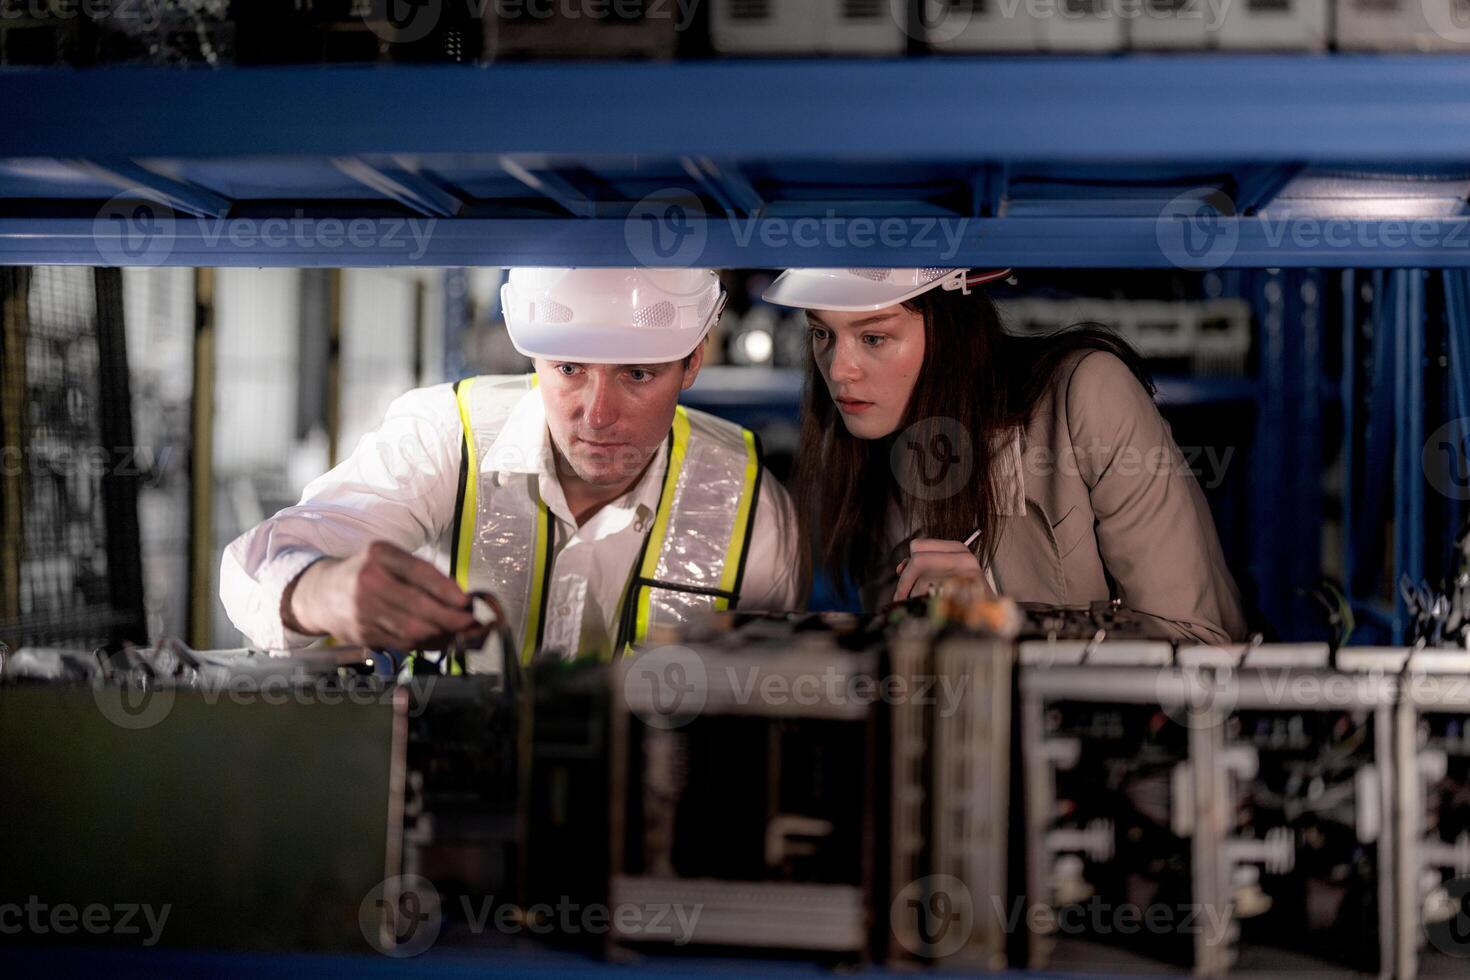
[864, 290]
[610, 316]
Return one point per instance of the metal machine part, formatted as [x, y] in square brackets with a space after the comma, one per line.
[1299, 812]
[243, 824]
[744, 784]
[1433, 790]
[1111, 813]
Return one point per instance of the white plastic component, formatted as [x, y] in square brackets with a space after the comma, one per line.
[1433, 764]
[1277, 852]
[1440, 662]
[1128, 653]
[1042, 652]
[1366, 660]
[1068, 884]
[1173, 24]
[1369, 804]
[1456, 856]
[1181, 810]
[806, 27]
[1402, 25]
[1158, 328]
[1210, 656]
[1095, 840]
[1304, 655]
[790, 835]
[981, 25]
[1222, 336]
[1245, 887]
[1062, 753]
[1299, 25]
[1241, 761]
[862, 26]
[1438, 906]
[1084, 25]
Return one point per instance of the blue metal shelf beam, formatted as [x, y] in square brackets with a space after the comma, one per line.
[292, 239]
[124, 175]
[1211, 107]
[404, 185]
[1344, 161]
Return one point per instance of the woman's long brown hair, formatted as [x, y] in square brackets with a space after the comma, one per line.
[974, 373]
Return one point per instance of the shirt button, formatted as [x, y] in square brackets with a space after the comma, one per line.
[638, 524]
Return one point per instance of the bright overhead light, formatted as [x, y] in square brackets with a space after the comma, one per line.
[757, 346]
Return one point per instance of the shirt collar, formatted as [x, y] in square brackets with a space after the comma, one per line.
[524, 446]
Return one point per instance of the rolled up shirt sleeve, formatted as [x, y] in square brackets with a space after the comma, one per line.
[399, 485]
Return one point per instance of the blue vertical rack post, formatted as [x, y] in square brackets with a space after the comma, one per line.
[1456, 287]
[456, 322]
[1348, 396]
[1408, 525]
[1388, 488]
[1286, 496]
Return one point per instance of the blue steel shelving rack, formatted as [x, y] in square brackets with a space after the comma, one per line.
[1287, 171]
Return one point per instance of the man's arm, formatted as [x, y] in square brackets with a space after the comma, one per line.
[313, 570]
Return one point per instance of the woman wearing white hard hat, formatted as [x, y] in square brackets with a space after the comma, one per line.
[937, 445]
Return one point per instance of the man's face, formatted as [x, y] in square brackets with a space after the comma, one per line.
[607, 421]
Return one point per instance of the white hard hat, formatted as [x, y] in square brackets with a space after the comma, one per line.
[863, 290]
[610, 316]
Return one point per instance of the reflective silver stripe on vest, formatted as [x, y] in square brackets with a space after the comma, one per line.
[697, 540]
[502, 554]
[703, 539]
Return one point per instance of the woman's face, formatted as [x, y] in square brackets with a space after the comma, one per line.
[870, 362]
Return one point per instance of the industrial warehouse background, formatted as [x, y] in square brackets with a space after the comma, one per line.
[315, 310]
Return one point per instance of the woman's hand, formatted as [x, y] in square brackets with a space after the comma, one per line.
[930, 562]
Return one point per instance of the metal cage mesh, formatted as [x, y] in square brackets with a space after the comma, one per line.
[70, 573]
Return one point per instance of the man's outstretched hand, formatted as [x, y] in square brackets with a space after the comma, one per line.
[382, 597]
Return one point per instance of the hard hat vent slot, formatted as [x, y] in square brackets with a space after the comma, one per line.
[656, 317]
[877, 275]
[553, 312]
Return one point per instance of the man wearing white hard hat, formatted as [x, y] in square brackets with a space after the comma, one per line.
[584, 497]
